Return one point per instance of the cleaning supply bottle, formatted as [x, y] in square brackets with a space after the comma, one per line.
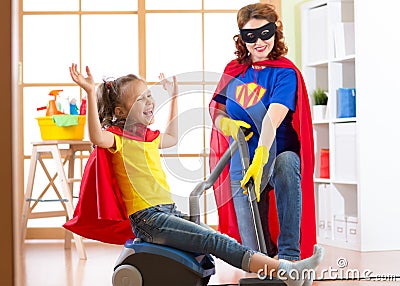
[73, 108]
[52, 108]
[63, 103]
[82, 109]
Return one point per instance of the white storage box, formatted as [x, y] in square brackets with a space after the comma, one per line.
[345, 152]
[339, 228]
[322, 227]
[324, 212]
[318, 49]
[344, 39]
[351, 230]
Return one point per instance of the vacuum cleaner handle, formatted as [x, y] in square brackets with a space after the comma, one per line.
[194, 198]
[245, 160]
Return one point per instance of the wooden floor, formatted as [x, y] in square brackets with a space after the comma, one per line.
[47, 263]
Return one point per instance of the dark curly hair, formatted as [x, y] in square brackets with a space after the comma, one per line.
[111, 94]
[259, 11]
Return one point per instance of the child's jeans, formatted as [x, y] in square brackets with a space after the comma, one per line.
[164, 224]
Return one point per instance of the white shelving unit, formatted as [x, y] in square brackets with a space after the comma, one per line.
[358, 205]
[329, 62]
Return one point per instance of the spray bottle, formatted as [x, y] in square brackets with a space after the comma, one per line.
[82, 109]
[73, 109]
[52, 108]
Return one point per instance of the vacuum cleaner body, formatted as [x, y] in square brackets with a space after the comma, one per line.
[147, 264]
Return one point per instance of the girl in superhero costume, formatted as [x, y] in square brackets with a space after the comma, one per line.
[263, 91]
[127, 104]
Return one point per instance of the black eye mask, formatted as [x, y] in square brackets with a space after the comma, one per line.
[264, 33]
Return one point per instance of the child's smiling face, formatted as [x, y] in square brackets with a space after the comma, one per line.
[139, 104]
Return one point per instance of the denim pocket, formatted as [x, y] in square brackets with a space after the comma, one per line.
[142, 223]
[144, 235]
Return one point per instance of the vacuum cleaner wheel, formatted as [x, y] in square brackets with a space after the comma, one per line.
[127, 275]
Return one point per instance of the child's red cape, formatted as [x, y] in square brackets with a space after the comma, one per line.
[303, 126]
[100, 212]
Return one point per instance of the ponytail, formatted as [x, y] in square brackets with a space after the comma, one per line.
[111, 94]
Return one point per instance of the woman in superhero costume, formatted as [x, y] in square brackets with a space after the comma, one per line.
[263, 91]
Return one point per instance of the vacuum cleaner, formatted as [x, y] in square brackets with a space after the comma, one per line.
[147, 264]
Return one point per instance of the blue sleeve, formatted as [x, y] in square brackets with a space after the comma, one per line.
[220, 99]
[285, 89]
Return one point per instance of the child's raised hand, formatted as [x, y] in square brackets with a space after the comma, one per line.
[87, 83]
[170, 86]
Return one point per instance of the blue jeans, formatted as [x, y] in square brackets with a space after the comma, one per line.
[284, 176]
[164, 224]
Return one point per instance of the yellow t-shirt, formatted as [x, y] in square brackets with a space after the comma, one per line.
[139, 174]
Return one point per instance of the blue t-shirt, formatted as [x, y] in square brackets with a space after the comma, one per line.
[248, 98]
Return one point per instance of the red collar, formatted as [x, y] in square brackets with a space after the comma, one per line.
[141, 133]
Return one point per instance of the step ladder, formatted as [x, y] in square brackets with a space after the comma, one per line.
[61, 152]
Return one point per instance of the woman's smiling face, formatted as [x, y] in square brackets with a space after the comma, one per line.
[260, 49]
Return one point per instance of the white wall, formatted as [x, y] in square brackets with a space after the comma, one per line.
[378, 104]
[291, 28]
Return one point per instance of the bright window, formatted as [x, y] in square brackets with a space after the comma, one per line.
[50, 5]
[109, 5]
[110, 45]
[173, 44]
[50, 43]
[173, 5]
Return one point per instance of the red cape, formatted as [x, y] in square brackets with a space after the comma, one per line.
[100, 213]
[303, 125]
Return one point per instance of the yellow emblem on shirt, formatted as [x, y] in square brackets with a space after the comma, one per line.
[249, 94]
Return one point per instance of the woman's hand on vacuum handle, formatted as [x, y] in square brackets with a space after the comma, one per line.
[230, 127]
[255, 170]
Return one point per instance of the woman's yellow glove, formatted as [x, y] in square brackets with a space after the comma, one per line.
[230, 127]
[255, 170]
